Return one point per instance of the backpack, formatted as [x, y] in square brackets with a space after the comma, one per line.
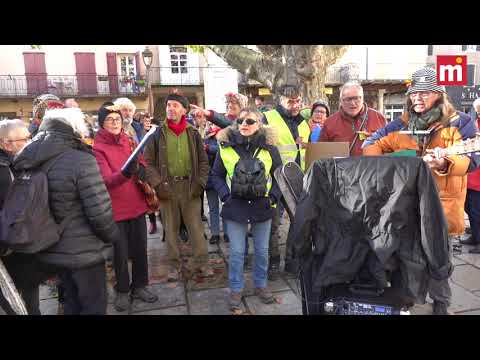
[26, 223]
[249, 180]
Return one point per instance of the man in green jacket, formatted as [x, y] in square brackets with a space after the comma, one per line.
[178, 170]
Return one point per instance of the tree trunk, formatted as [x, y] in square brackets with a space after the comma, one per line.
[302, 65]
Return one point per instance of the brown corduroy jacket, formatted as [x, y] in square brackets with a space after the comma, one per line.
[157, 169]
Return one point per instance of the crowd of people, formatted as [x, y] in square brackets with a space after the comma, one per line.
[232, 158]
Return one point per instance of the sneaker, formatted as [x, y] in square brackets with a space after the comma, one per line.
[152, 228]
[264, 295]
[214, 239]
[173, 274]
[204, 271]
[144, 295]
[122, 302]
[468, 241]
[184, 235]
[235, 300]
[475, 250]
[440, 308]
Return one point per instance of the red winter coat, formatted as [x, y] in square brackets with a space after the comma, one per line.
[111, 152]
[473, 180]
[340, 127]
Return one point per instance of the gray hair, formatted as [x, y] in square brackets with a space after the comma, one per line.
[7, 126]
[73, 117]
[125, 103]
[476, 104]
[351, 84]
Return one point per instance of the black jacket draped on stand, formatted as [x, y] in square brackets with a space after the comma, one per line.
[353, 206]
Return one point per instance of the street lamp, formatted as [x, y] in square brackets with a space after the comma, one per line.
[147, 56]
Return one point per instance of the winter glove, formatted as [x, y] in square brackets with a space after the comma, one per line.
[131, 169]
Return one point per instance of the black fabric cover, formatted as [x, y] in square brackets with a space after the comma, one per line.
[357, 206]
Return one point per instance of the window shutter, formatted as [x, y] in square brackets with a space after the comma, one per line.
[430, 50]
[35, 73]
[86, 73]
[464, 47]
[112, 72]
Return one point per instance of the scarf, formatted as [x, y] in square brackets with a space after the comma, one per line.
[423, 122]
[179, 127]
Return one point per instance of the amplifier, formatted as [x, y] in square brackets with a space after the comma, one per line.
[349, 307]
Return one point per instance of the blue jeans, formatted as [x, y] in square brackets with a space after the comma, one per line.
[214, 209]
[261, 235]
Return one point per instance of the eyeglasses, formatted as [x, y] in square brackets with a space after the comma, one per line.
[422, 94]
[22, 139]
[350, 99]
[247, 121]
[112, 120]
[319, 111]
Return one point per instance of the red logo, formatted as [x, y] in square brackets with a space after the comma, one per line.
[452, 70]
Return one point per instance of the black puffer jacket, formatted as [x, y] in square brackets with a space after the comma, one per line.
[5, 175]
[76, 188]
[351, 207]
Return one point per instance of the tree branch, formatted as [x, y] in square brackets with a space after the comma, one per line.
[256, 66]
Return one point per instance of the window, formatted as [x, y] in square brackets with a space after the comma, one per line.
[127, 66]
[178, 59]
[471, 47]
[430, 50]
[392, 112]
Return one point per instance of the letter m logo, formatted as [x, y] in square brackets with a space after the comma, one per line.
[452, 70]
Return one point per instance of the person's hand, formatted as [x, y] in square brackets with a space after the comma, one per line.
[300, 142]
[434, 163]
[199, 109]
[132, 168]
[205, 147]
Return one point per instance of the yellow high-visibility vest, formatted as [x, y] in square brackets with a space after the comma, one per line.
[230, 158]
[286, 143]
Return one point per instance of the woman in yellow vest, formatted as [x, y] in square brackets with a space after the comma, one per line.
[243, 177]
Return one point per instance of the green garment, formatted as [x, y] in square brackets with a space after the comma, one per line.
[178, 154]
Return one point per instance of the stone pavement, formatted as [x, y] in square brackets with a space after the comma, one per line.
[195, 296]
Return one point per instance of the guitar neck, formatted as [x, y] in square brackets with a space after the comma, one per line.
[465, 147]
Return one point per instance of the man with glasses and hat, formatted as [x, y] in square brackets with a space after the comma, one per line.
[432, 122]
[354, 122]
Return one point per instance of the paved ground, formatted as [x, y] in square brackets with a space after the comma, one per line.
[194, 296]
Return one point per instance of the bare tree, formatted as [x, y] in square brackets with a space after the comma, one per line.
[276, 65]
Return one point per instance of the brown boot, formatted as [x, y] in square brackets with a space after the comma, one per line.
[264, 295]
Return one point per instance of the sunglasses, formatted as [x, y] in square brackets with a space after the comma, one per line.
[247, 121]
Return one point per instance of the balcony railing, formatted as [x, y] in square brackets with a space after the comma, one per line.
[88, 85]
[340, 74]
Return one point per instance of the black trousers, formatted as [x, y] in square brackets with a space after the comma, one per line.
[132, 244]
[85, 290]
[472, 208]
[27, 274]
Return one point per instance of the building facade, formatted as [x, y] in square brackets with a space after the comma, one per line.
[382, 71]
[91, 74]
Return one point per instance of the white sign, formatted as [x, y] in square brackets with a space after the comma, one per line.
[218, 79]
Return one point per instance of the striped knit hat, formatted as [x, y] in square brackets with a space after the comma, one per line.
[44, 102]
[425, 80]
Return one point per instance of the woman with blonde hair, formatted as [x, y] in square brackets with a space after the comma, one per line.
[247, 147]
